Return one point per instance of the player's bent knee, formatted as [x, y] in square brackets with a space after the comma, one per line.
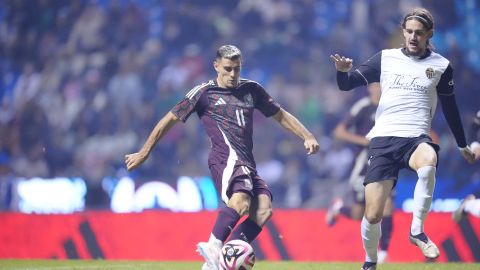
[266, 213]
[241, 206]
[425, 155]
[428, 160]
[373, 218]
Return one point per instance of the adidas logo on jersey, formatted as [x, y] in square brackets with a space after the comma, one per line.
[220, 101]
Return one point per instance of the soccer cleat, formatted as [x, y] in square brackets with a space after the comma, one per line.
[428, 248]
[369, 266]
[206, 267]
[333, 211]
[210, 253]
[459, 214]
[382, 256]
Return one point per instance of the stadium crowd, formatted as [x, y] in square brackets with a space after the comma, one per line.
[83, 82]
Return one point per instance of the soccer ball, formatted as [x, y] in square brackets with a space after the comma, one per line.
[237, 255]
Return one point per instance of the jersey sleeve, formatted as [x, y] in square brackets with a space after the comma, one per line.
[190, 103]
[348, 120]
[445, 85]
[370, 70]
[449, 106]
[264, 102]
[366, 73]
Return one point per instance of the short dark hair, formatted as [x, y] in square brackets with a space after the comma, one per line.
[229, 52]
[420, 14]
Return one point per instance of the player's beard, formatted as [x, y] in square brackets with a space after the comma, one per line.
[419, 52]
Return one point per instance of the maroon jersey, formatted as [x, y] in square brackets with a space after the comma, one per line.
[227, 115]
[361, 118]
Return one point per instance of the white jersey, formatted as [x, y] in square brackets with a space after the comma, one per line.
[410, 89]
[409, 93]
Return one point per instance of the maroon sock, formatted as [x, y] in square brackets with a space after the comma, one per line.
[346, 211]
[387, 226]
[227, 218]
[247, 231]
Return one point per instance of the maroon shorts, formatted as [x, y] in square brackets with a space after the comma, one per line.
[238, 178]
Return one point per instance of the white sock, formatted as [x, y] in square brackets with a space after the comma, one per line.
[370, 236]
[472, 207]
[215, 241]
[422, 197]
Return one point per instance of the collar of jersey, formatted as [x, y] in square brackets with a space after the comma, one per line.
[428, 52]
[240, 83]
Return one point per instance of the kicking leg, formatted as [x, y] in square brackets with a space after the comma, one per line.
[260, 213]
[227, 218]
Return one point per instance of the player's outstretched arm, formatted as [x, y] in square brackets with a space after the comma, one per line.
[347, 80]
[134, 160]
[292, 124]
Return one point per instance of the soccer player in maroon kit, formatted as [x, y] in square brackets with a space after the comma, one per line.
[225, 107]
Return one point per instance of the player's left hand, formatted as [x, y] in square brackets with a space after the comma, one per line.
[134, 160]
[311, 145]
[468, 154]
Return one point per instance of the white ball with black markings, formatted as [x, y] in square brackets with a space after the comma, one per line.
[237, 255]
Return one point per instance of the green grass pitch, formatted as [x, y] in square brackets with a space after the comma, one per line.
[261, 265]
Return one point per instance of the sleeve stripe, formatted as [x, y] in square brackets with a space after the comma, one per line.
[194, 91]
[365, 79]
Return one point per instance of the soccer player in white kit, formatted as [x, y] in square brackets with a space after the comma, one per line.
[411, 78]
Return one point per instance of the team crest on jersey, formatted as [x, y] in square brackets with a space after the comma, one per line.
[429, 72]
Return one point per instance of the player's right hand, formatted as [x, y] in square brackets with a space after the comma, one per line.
[342, 63]
[134, 160]
[468, 154]
[311, 145]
